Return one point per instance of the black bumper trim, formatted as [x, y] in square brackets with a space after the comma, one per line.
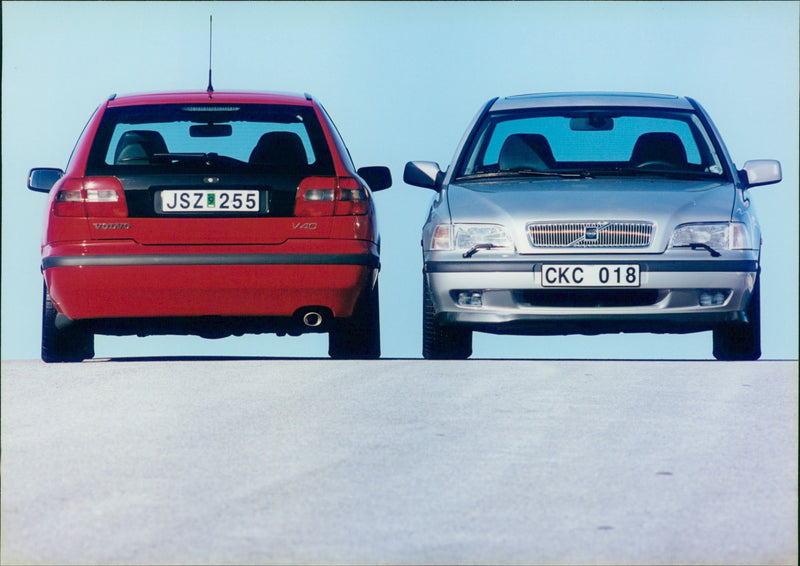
[536, 266]
[367, 260]
[591, 325]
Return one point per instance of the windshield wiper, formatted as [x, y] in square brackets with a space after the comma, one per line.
[521, 173]
[670, 173]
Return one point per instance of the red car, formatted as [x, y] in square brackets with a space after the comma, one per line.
[211, 214]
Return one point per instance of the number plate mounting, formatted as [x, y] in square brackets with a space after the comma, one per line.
[590, 275]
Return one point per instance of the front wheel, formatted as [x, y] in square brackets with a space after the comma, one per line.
[70, 344]
[359, 336]
[741, 341]
[442, 342]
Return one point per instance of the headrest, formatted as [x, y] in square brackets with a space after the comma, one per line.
[281, 152]
[526, 151]
[137, 145]
[659, 146]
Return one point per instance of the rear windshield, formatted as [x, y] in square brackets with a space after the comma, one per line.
[594, 142]
[206, 138]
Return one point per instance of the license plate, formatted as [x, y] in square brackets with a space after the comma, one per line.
[205, 200]
[589, 275]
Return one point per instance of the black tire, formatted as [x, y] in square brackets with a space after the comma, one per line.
[70, 344]
[741, 341]
[442, 342]
[358, 337]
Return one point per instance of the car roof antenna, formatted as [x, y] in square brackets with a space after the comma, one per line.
[209, 89]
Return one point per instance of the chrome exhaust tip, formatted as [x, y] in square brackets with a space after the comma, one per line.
[312, 319]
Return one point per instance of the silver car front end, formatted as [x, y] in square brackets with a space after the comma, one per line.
[591, 213]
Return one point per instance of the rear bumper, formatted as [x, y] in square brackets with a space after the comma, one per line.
[125, 280]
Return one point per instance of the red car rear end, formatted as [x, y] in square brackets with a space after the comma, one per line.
[211, 214]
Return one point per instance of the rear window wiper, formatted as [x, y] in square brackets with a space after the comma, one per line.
[174, 157]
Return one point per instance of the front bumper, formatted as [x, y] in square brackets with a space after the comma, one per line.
[507, 296]
[125, 280]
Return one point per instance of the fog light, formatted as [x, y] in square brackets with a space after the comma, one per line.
[712, 297]
[470, 299]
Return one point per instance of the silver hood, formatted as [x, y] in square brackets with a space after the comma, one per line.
[666, 203]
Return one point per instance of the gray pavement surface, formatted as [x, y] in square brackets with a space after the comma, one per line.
[399, 461]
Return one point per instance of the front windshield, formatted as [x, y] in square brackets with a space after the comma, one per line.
[590, 143]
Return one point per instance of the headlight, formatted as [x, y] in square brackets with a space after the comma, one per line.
[466, 236]
[718, 235]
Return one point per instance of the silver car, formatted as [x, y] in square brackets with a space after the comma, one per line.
[588, 213]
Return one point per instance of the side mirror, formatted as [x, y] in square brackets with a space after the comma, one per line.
[425, 174]
[761, 172]
[42, 179]
[378, 178]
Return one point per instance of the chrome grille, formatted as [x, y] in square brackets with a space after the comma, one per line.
[600, 234]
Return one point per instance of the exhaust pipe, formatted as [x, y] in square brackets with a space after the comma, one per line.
[312, 319]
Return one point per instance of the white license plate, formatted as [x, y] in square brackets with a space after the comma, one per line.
[205, 200]
[589, 275]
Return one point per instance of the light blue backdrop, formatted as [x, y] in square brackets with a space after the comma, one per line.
[401, 81]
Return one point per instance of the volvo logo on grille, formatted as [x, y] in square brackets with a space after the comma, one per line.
[592, 233]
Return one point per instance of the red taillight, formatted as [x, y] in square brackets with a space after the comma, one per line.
[93, 196]
[353, 198]
[70, 199]
[105, 197]
[315, 196]
[328, 196]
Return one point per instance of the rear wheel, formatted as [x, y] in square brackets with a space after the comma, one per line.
[442, 342]
[359, 336]
[741, 341]
[70, 344]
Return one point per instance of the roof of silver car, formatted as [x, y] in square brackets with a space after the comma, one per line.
[590, 99]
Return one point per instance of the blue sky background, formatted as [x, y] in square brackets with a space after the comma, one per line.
[401, 81]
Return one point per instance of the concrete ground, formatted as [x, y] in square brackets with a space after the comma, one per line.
[209, 461]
